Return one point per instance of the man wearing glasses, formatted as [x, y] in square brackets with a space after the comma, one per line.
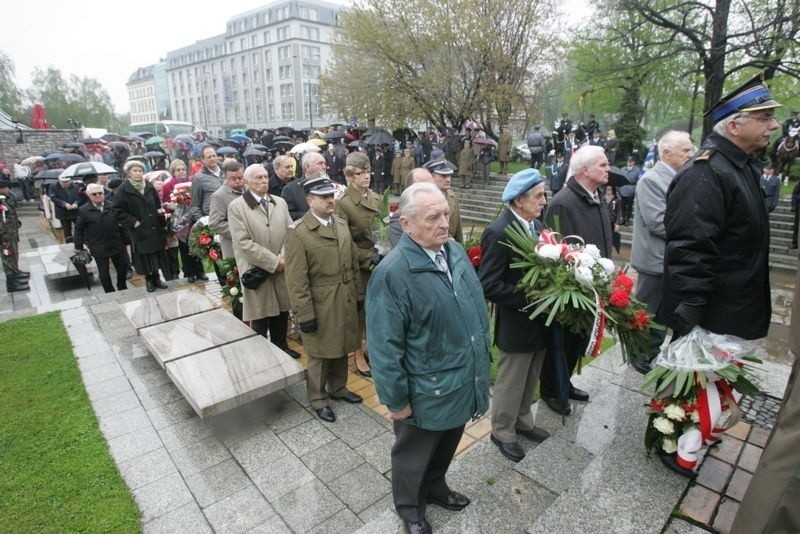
[98, 229]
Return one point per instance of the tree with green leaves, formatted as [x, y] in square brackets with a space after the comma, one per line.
[441, 61]
[12, 99]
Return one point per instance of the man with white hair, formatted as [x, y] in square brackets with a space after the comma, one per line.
[313, 164]
[576, 210]
[647, 251]
[98, 229]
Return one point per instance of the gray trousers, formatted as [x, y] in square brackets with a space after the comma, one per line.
[517, 375]
[327, 377]
[649, 290]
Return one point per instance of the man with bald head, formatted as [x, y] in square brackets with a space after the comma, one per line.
[313, 165]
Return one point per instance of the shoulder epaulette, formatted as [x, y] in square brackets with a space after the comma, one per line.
[705, 155]
[295, 223]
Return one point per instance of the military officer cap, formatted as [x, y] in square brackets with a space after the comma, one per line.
[752, 96]
[440, 166]
[358, 160]
[520, 183]
[321, 186]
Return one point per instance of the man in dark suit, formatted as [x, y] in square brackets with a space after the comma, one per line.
[520, 339]
[334, 164]
[97, 228]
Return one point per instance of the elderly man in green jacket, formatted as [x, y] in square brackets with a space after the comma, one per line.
[428, 340]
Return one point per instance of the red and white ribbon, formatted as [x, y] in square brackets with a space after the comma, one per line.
[688, 445]
[598, 328]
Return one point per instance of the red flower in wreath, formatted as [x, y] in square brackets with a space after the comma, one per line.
[619, 298]
[624, 282]
[393, 208]
[640, 320]
[474, 255]
[213, 254]
[204, 239]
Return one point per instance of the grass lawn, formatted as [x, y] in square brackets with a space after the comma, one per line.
[57, 474]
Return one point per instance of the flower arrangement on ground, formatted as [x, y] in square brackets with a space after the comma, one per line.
[203, 244]
[693, 382]
[569, 283]
[232, 289]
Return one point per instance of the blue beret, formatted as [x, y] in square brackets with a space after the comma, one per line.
[520, 182]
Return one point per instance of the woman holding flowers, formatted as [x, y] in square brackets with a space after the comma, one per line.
[359, 206]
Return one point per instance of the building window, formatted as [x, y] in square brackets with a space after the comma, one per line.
[282, 33]
[287, 90]
[268, 75]
[311, 71]
[284, 72]
[287, 111]
[310, 52]
[309, 32]
[267, 38]
[284, 52]
[309, 13]
[268, 57]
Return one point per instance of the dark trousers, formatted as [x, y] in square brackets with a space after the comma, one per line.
[120, 265]
[277, 326]
[420, 459]
[649, 290]
[794, 228]
[191, 265]
[537, 159]
[574, 348]
[66, 226]
[26, 185]
[626, 210]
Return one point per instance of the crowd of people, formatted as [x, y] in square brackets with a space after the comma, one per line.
[301, 225]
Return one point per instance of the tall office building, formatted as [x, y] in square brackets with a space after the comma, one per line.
[148, 94]
[262, 72]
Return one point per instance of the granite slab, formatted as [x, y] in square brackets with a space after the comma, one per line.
[189, 335]
[166, 307]
[55, 260]
[222, 378]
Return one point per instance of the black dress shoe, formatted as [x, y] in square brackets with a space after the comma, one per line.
[578, 394]
[150, 286]
[352, 398]
[26, 274]
[293, 353]
[454, 501]
[17, 286]
[671, 462]
[512, 450]
[537, 434]
[557, 407]
[160, 284]
[191, 279]
[642, 367]
[326, 414]
[418, 527]
[129, 274]
[202, 277]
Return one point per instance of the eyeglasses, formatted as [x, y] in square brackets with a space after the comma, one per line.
[95, 194]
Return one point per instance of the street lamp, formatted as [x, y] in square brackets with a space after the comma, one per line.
[310, 109]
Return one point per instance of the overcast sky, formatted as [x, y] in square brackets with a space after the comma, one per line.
[108, 41]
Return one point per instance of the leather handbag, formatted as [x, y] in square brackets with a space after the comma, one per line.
[253, 277]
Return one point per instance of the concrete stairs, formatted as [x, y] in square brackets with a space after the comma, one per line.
[481, 203]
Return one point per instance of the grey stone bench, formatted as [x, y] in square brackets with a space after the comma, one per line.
[215, 360]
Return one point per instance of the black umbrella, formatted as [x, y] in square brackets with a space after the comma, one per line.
[71, 158]
[287, 130]
[258, 146]
[137, 138]
[232, 142]
[356, 144]
[338, 134]
[154, 154]
[118, 144]
[91, 141]
[254, 152]
[80, 260]
[380, 137]
[111, 137]
[616, 177]
[225, 150]
[281, 139]
[73, 145]
[283, 145]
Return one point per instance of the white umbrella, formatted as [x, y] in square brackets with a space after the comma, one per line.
[87, 167]
[302, 148]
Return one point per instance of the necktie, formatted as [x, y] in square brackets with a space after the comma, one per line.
[534, 233]
[441, 262]
[265, 205]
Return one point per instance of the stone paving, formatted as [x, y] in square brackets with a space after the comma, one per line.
[271, 466]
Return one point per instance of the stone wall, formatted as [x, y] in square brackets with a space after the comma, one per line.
[35, 142]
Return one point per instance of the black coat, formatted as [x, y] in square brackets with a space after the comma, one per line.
[578, 214]
[716, 258]
[334, 165]
[295, 198]
[130, 206]
[99, 230]
[513, 330]
[64, 195]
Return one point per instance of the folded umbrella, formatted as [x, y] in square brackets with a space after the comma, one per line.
[80, 259]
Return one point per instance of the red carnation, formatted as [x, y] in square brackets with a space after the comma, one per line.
[640, 320]
[474, 255]
[204, 239]
[213, 254]
[619, 298]
[623, 281]
[654, 404]
[393, 208]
